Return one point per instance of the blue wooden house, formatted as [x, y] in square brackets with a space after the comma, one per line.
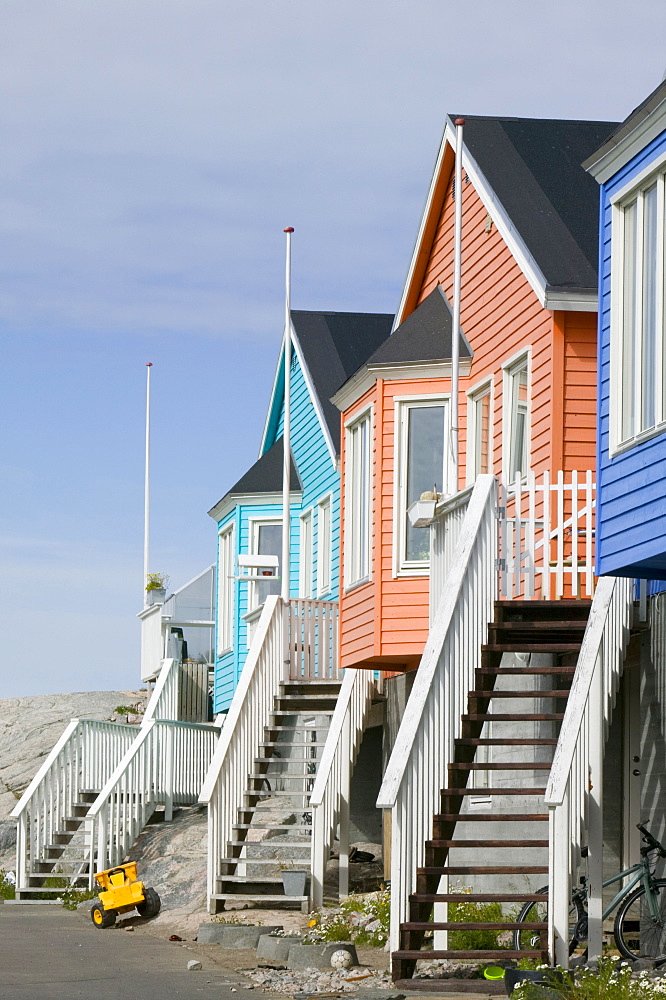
[631, 508]
[327, 348]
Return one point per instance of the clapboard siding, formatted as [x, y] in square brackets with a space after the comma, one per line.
[631, 509]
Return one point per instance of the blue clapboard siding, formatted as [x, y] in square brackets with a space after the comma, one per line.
[631, 509]
[318, 479]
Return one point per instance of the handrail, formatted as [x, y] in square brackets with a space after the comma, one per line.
[165, 765]
[574, 790]
[444, 533]
[232, 761]
[432, 719]
[163, 702]
[312, 636]
[329, 798]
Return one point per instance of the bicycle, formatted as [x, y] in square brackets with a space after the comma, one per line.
[639, 928]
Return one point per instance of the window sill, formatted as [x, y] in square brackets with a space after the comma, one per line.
[647, 435]
[412, 571]
[225, 652]
[357, 583]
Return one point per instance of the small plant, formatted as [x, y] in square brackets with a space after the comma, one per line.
[72, 897]
[612, 980]
[7, 886]
[363, 919]
[464, 912]
[529, 964]
[156, 581]
[123, 709]
[230, 918]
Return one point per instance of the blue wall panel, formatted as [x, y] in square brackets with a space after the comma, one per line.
[631, 500]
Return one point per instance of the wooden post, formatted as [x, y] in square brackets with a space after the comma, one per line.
[595, 813]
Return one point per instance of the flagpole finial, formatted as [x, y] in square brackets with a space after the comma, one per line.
[289, 229]
[149, 364]
[459, 121]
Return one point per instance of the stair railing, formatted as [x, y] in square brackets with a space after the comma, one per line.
[432, 719]
[165, 765]
[329, 799]
[312, 629]
[243, 730]
[574, 791]
[444, 535]
[81, 761]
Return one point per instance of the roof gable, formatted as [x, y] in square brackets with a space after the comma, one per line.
[632, 135]
[424, 336]
[528, 174]
[265, 476]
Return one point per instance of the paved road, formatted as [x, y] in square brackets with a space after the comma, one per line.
[49, 953]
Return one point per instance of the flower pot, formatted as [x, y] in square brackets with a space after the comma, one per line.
[155, 596]
[541, 977]
[294, 881]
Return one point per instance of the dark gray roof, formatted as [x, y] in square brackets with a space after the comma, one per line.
[265, 476]
[424, 336]
[632, 121]
[334, 346]
[534, 168]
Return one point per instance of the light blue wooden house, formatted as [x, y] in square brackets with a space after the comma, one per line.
[327, 348]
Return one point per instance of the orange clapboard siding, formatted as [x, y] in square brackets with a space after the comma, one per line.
[387, 620]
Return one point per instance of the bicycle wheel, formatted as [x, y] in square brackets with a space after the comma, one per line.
[537, 913]
[636, 933]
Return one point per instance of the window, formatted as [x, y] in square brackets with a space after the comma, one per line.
[358, 501]
[516, 425]
[638, 394]
[225, 590]
[324, 546]
[479, 432]
[265, 540]
[305, 574]
[421, 433]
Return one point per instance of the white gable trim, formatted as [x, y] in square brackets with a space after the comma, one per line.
[314, 397]
[548, 298]
[628, 147]
[231, 500]
[262, 446]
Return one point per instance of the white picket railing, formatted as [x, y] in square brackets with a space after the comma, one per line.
[432, 720]
[444, 534]
[574, 791]
[243, 730]
[163, 702]
[547, 536]
[312, 636]
[181, 692]
[165, 765]
[81, 761]
[329, 799]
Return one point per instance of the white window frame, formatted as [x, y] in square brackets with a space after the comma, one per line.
[358, 484]
[324, 545]
[225, 589]
[510, 369]
[306, 555]
[633, 192]
[253, 525]
[402, 407]
[474, 396]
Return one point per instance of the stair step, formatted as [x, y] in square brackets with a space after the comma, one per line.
[486, 695]
[290, 760]
[284, 744]
[511, 610]
[292, 844]
[531, 647]
[499, 953]
[296, 729]
[514, 717]
[493, 791]
[452, 926]
[250, 880]
[527, 671]
[274, 862]
[536, 625]
[296, 711]
[45, 866]
[249, 809]
[238, 897]
[263, 776]
[478, 897]
[486, 843]
[258, 791]
[506, 766]
[483, 870]
[469, 741]
[491, 817]
[270, 826]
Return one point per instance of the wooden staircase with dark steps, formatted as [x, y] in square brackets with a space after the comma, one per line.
[534, 627]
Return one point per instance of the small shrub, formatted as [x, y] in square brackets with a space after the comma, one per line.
[7, 889]
[71, 897]
[123, 709]
[473, 913]
[612, 980]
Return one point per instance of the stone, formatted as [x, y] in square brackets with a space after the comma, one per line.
[194, 966]
[233, 935]
[275, 947]
[318, 956]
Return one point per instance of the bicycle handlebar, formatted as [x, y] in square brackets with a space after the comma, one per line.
[652, 843]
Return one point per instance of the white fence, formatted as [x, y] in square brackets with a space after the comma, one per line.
[329, 798]
[312, 637]
[445, 532]
[81, 761]
[181, 692]
[432, 720]
[243, 730]
[547, 536]
[574, 792]
[165, 765]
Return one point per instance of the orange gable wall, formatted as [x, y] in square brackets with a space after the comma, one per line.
[386, 621]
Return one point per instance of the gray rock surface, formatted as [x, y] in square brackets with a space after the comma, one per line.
[233, 935]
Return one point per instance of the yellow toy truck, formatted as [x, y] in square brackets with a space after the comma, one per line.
[122, 892]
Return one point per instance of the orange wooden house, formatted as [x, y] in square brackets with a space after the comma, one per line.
[527, 390]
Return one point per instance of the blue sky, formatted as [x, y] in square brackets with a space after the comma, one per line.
[152, 152]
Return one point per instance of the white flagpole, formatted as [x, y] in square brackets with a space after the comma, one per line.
[146, 490]
[286, 433]
[455, 332]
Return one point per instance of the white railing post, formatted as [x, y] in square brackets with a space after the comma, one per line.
[345, 786]
[560, 890]
[169, 775]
